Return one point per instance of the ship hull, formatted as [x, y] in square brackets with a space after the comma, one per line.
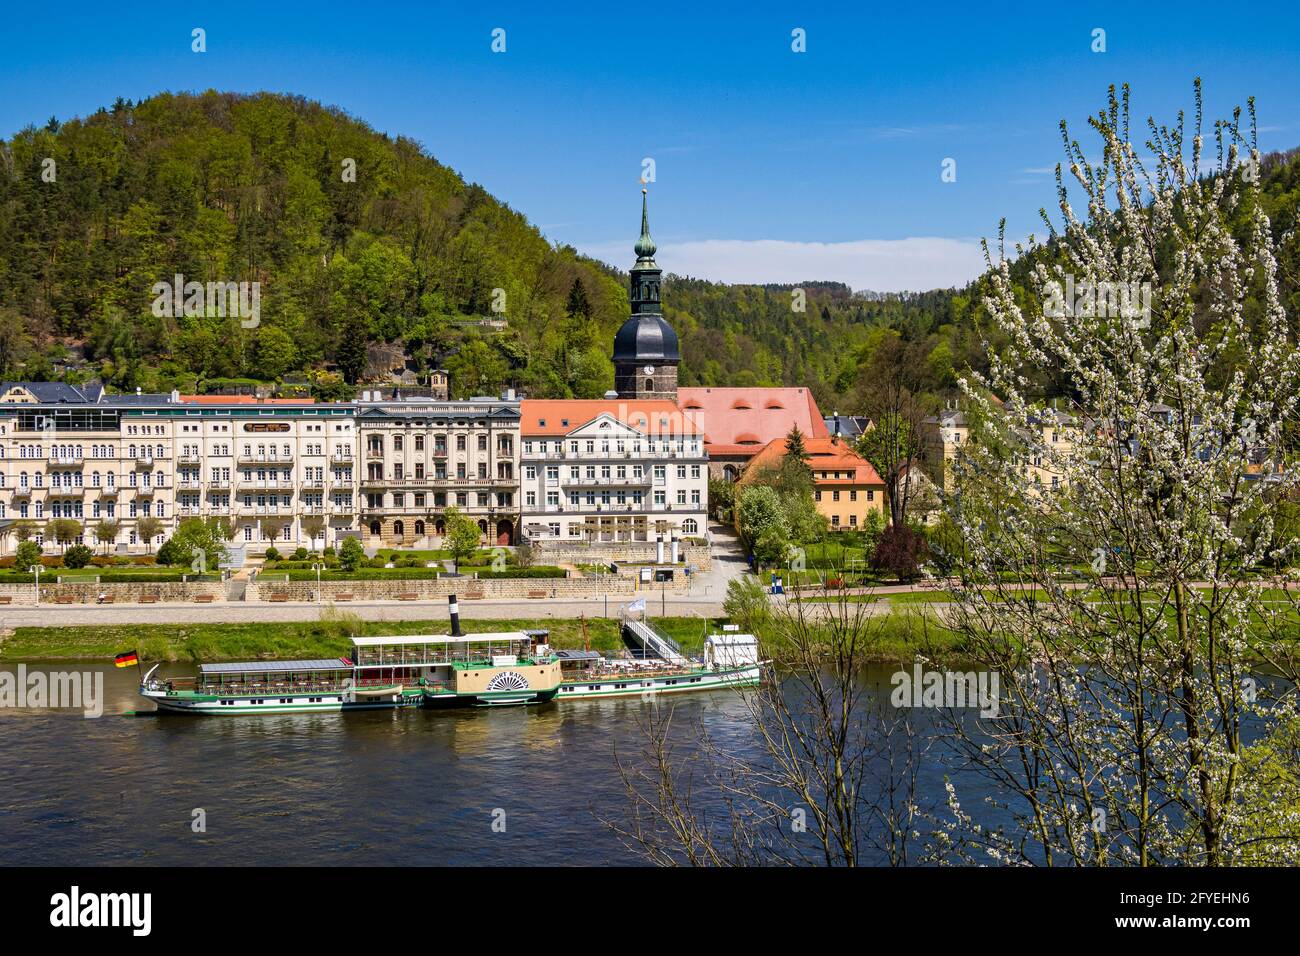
[439, 701]
[631, 685]
[221, 706]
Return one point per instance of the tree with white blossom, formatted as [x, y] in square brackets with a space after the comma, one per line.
[1117, 548]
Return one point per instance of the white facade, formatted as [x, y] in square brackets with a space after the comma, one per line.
[608, 480]
[274, 471]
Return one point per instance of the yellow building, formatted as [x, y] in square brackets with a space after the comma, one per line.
[845, 485]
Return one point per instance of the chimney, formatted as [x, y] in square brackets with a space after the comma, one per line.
[454, 609]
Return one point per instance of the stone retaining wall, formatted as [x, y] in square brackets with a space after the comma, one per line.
[269, 591]
[636, 552]
[121, 592]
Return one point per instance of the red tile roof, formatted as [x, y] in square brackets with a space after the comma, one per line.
[543, 418]
[740, 421]
[824, 454]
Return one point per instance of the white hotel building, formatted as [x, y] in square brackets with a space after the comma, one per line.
[611, 470]
[281, 472]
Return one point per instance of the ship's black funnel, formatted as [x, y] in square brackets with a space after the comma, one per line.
[454, 608]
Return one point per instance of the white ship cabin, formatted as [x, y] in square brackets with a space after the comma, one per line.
[501, 649]
[272, 678]
[730, 650]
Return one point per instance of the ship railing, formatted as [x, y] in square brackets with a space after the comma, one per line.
[271, 690]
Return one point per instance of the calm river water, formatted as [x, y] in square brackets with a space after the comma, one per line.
[383, 787]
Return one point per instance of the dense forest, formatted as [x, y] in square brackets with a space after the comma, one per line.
[231, 188]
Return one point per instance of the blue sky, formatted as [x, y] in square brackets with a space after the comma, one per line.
[770, 165]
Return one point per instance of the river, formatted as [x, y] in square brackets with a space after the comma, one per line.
[384, 787]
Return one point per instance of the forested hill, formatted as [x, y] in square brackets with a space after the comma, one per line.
[225, 187]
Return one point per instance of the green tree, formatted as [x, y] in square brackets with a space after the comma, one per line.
[106, 532]
[28, 554]
[762, 523]
[148, 528]
[64, 531]
[276, 352]
[461, 535]
[200, 542]
[351, 553]
[477, 369]
[796, 452]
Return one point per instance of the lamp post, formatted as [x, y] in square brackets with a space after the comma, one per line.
[36, 569]
[317, 566]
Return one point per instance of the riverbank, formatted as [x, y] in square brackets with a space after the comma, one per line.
[894, 637]
[298, 639]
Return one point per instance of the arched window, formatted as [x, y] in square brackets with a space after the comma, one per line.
[690, 526]
[649, 385]
[419, 529]
[374, 527]
[399, 528]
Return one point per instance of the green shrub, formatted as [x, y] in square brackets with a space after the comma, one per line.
[78, 556]
[169, 553]
[272, 553]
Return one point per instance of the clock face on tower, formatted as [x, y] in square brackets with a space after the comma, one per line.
[649, 369]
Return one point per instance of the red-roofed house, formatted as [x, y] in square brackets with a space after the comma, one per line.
[739, 422]
[611, 470]
[846, 485]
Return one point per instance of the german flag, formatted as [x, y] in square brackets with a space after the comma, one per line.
[129, 659]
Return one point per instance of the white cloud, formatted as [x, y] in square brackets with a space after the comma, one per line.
[881, 265]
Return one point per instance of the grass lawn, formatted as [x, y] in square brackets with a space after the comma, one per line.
[304, 639]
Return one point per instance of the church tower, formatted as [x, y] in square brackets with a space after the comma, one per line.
[645, 349]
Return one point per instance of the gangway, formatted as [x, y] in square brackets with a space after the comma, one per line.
[642, 636]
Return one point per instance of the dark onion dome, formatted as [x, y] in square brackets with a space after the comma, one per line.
[646, 338]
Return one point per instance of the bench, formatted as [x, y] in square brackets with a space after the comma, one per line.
[408, 596]
[65, 599]
[148, 599]
[5, 599]
[278, 597]
[203, 599]
[538, 594]
[343, 597]
[473, 595]
[105, 599]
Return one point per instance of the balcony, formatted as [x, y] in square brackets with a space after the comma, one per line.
[341, 457]
[313, 482]
[284, 510]
[374, 453]
[66, 461]
[144, 461]
[266, 458]
[218, 482]
[189, 511]
[189, 484]
[188, 459]
[273, 484]
[341, 482]
[642, 482]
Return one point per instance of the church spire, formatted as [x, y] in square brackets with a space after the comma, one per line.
[645, 246]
